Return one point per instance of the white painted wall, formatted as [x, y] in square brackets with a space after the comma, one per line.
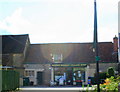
[35, 68]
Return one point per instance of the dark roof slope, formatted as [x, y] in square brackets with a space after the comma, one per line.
[13, 43]
[71, 52]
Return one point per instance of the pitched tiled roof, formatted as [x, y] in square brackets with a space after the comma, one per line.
[71, 52]
[13, 43]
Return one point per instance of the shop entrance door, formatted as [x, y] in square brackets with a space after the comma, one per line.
[39, 78]
[69, 77]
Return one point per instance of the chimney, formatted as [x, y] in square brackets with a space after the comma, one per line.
[115, 44]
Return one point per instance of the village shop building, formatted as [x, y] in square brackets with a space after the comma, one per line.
[68, 63]
[45, 64]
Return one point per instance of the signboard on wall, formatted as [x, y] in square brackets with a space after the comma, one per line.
[68, 65]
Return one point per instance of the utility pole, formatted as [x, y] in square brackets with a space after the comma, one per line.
[96, 46]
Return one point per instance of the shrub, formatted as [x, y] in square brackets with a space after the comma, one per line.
[102, 76]
[110, 72]
[111, 84]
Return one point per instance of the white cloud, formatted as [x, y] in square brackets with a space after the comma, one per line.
[15, 23]
[71, 23]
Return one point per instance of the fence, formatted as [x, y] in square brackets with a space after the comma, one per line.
[10, 80]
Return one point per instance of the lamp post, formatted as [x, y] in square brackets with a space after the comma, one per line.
[96, 46]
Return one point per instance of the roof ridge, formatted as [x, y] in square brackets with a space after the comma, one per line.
[66, 43]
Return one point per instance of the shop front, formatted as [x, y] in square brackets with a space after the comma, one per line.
[68, 74]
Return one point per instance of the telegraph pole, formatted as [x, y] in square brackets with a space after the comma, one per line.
[96, 46]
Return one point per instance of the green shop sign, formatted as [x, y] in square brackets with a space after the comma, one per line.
[68, 65]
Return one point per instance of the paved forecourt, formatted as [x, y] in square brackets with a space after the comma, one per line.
[45, 89]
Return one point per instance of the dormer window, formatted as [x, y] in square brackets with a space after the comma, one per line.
[57, 58]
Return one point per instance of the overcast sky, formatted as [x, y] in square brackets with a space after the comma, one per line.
[59, 21]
